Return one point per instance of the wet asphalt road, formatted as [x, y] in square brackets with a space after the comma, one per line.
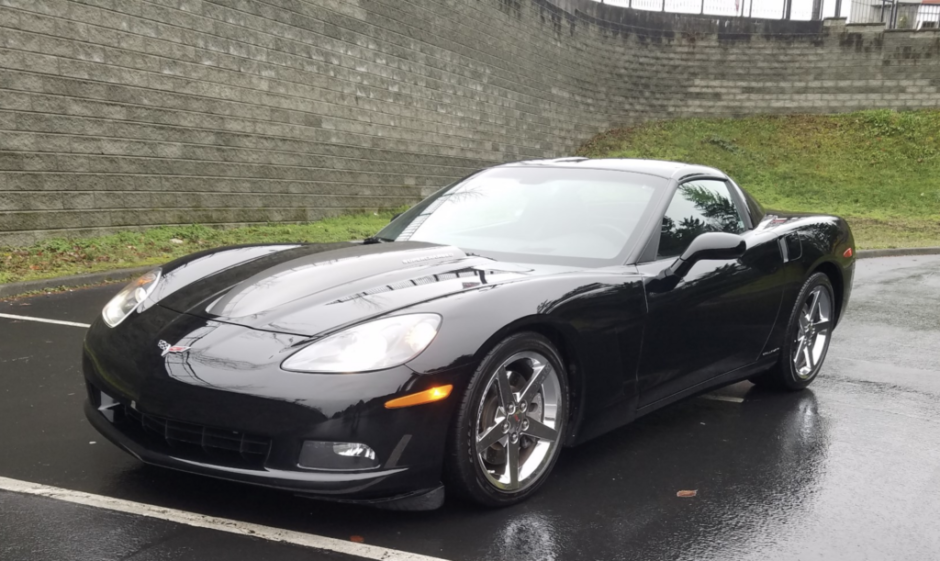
[849, 469]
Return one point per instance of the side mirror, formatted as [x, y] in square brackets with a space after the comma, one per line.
[715, 245]
[710, 245]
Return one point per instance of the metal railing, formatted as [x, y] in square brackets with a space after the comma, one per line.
[895, 14]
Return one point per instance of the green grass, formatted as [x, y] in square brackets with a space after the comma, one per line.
[878, 169]
[61, 257]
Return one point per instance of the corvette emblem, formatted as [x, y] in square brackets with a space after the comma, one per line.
[167, 349]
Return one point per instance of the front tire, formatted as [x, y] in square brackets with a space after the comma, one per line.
[809, 332]
[509, 426]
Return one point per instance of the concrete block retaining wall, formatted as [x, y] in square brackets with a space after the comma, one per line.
[130, 113]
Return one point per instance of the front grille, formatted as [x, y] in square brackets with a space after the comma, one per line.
[213, 442]
[187, 440]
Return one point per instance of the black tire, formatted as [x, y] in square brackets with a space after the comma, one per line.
[464, 472]
[785, 374]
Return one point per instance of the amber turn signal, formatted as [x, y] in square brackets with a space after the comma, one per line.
[427, 396]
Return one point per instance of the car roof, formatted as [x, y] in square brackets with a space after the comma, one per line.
[661, 168]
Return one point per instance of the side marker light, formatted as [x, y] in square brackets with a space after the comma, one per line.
[427, 396]
[848, 253]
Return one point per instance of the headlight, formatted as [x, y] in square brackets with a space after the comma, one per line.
[374, 345]
[128, 299]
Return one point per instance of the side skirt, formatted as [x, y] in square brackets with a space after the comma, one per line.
[626, 411]
[722, 380]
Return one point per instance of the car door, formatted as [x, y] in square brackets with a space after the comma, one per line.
[717, 318]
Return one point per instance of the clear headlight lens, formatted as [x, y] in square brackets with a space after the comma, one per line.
[374, 345]
[129, 298]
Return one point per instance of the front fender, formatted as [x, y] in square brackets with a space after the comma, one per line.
[597, 315]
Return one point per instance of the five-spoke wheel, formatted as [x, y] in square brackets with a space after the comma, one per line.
[812, 336]
[509, 428]
[517, 420]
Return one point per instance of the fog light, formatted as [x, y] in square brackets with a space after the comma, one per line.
[342, 456]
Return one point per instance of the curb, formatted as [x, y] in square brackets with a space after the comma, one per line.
[16, 288]
[75, 281]
[898, 252]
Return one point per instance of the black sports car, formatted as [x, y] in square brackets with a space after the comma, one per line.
[525, 308]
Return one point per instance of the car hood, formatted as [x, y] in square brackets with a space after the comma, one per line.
[314, 290]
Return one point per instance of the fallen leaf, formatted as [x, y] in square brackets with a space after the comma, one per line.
[357, 539]
[686, 494]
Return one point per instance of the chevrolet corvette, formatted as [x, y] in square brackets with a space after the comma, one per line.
[521, 310]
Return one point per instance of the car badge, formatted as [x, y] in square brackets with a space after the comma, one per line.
[167, 349]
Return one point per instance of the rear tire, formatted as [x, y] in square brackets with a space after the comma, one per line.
[510, 423]
[809, 331]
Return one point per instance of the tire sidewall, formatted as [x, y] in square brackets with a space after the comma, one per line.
[789, 377]
[463, 469]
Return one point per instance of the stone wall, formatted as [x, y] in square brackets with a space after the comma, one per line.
[129, 113]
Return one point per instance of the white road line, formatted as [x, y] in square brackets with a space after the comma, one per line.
[44, 320]
[728, 398]
[211, 522]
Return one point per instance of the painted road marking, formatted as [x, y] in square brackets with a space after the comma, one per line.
[44, 320]
[211, 522]
[728, 398]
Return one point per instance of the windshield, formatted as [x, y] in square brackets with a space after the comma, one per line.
[534, 214]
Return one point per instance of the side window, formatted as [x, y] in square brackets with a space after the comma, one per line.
[698, 206]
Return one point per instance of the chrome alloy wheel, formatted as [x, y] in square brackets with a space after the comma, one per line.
[518, 421]
[812, 332]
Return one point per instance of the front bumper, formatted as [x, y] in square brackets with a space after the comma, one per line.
[301, 482]
[251, 419]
